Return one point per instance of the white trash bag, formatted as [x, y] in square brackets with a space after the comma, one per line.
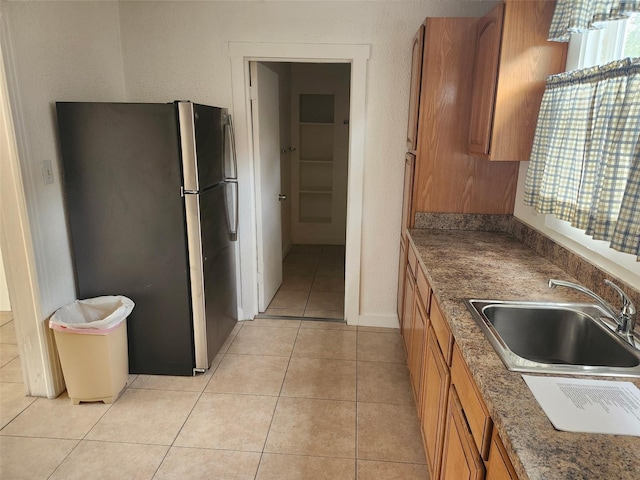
[94, 316]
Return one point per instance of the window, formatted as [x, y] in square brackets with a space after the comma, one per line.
[631, 46]
[616, 40]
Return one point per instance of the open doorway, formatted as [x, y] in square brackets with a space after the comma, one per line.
[241, 55]
[301, 129]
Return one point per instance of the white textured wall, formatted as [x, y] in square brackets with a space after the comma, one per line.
[57, 51]
[163, 51]
[179, 50]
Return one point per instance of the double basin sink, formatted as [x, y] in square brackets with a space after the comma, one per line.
[565, 338]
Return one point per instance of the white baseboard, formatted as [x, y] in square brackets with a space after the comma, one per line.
[373, 320]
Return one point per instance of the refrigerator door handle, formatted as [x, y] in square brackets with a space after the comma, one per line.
[229, 132]
[232, 217]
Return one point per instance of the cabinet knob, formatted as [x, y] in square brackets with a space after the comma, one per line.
[282, 197]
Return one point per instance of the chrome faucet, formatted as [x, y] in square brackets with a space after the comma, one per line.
[625, 318]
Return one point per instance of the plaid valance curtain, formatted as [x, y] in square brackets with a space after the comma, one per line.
[572, 16]
[585, 159]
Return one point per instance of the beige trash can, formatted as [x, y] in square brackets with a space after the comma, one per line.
[91, 336]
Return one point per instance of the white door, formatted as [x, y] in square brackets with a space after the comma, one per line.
[266, 151]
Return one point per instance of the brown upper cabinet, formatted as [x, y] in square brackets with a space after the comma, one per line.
[414, 92]
[512, 61]
[447, 178]
[489, 33]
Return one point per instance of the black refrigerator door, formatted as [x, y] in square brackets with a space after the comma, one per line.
[122, 183]
[218, 252]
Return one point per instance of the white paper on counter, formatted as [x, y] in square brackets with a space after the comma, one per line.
[591, 406]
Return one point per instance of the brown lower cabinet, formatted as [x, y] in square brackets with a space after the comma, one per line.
[457, 431]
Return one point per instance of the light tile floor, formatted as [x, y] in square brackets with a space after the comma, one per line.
[285, 399]
[312, 283]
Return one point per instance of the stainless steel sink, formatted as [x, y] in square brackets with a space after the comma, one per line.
[555, 338]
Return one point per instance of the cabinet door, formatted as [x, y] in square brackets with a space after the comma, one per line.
[407, 316]
[460, 459]
[499, 466]
[407, 195]
[417, 349]
[485, 75]
[414, 92]
[402, 271]
[435, 388]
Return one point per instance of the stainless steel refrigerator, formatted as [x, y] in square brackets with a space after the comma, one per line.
[151, 201]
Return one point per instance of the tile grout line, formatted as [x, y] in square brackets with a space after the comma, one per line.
[223, 354]
[357, 403]
[315, 275]
[84, 437]
[266, 439]
[18, 414]
[314, 279]
[202, 391]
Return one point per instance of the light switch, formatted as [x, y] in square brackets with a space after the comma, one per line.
[47, 172]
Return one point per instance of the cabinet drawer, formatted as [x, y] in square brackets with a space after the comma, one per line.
[473, 406]
[424, 290]
[441, 331]
[412, 259]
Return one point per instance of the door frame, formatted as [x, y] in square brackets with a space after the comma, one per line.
[241, 53]
[41, 371]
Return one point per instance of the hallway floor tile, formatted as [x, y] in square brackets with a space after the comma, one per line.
[312, 283]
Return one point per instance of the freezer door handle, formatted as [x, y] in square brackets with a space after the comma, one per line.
[230, 137]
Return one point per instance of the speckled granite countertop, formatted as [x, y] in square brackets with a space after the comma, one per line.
[471, 264]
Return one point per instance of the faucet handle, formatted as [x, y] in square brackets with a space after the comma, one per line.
[628, 308]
